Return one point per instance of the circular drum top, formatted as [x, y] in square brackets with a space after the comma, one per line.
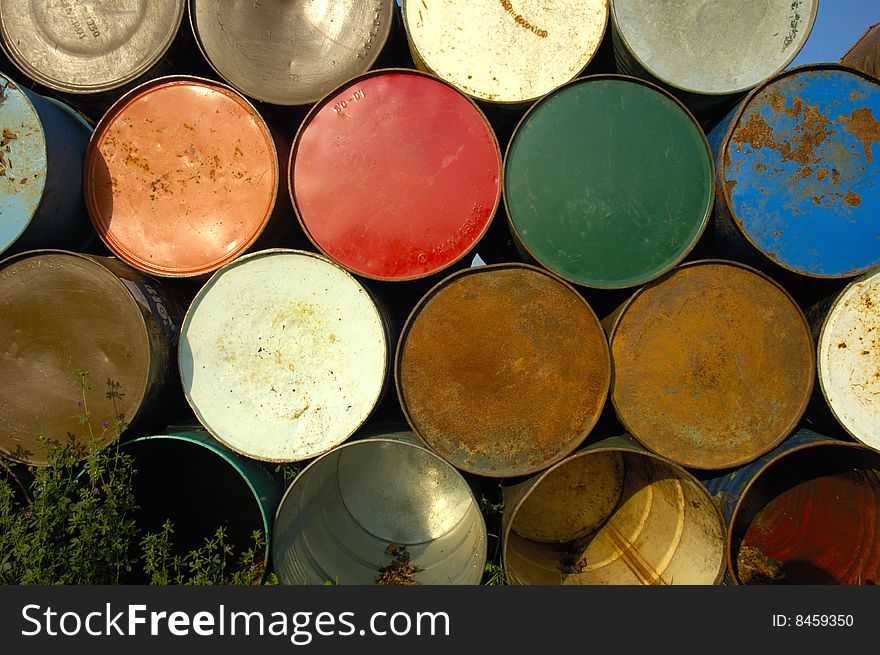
[849, 359]
[502, 370]
[181, 176]
[88, 46]
[713, 46]
[608, 182]
[283, 355]
[396, 175]
[713, 365]
[23, 161]
[506, 52]
[61, 313]
[800, 171]
[291, 53]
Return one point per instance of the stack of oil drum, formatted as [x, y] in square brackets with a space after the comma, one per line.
[609, 266]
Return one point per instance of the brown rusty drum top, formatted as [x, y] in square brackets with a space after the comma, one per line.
[502, 370]
[864, 55]
[714, 365]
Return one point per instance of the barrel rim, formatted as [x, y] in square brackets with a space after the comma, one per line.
[826, 325]
[52, 83]
[133, 308]
[574, 441]
[722, 188]
[318, 106]
[368, 61]
[421, 63]
[718, 95]
[194, 437]
[537, 479]
[380, 439]
[821, 440]
[92, 150]
[184, 325]
[808, 391]
[699, 130]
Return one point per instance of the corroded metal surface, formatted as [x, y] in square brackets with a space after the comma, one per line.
[848, 359]
[179, 193]
[61, 312]
[799, 169]
[864, 55]
[353, 508]
[502, 51]
[503, 370]
[291, 53]
[283, 355]
[660, 528]
[88, 46]
[714, 365]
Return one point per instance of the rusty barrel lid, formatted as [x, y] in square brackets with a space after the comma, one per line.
[799, 170]
[505, 52]
[503, 369]
[713, 364]
[708, 47]
[864, 54]
[848, 359]
[291, 53]
[88, 47]
[395, 175]
[283, 355]
[608, 182]
[62, 312]
[181, 176]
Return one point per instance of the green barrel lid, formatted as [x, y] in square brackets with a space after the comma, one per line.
[608, 182]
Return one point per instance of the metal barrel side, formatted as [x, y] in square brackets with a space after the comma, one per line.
[796, 170]
[713, 364]
[82, 332]
[608, 182]
[379, 510]
[191, 479]
[864, 55]
[612, 513]
[283, 355]
[396, 175]
[502, 369]
[42, 147]
[505, 53]
[805, 513]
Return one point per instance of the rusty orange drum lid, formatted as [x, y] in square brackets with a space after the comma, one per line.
[503, 370]
[181, 176]
[713, 365]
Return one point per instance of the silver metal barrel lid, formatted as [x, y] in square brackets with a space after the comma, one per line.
[290, 53]
[88, 46]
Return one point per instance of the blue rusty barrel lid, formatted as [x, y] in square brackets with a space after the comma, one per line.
[799, 170]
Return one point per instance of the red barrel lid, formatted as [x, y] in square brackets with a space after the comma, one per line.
[395, 175]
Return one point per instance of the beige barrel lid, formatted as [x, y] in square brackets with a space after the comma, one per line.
[849, 359]
[283, 355]
[505, 51]
[88, 46]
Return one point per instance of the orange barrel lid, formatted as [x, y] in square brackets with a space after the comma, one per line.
[395, 175]
[713, 365]
[181, 176]
[503, 370]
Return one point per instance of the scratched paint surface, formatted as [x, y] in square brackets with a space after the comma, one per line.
[22, 162]
[181, 192]
[608, 182]
[396, 175]
[713, 365]
[801, 171]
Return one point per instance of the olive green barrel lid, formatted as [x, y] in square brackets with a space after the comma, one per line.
[608, 182]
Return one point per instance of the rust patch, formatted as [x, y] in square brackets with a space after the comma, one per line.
[754, 567]
[862, 125]
[852, 199]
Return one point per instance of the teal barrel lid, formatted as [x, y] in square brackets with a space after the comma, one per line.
[608, 182]
[23, 161]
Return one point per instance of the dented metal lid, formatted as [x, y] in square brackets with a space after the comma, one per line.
[88, 46]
